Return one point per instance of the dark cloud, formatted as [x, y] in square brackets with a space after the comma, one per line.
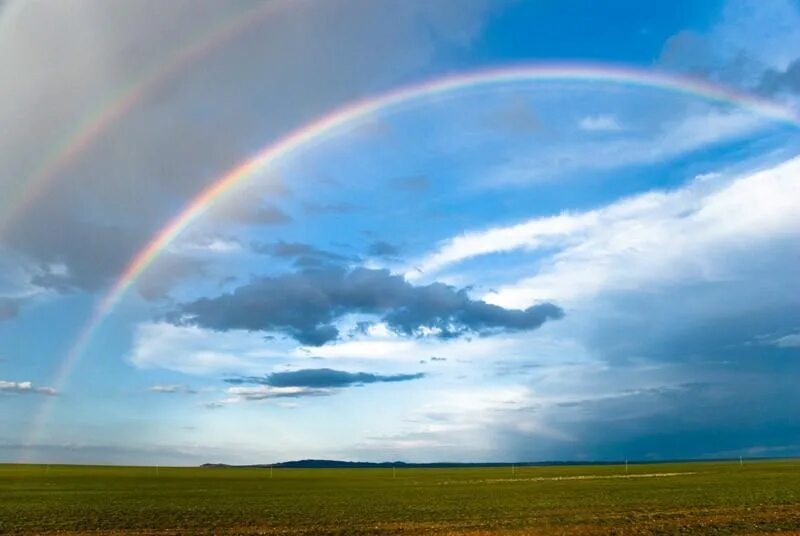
[773, 81]
[382, 249]
[305, 305]
[303, 255]
[322, 378]
[190, 126]
[72, 253]
[9, 308]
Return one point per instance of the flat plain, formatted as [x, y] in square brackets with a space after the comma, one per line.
[675, 498]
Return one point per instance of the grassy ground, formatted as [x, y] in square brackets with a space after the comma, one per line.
[689, 498]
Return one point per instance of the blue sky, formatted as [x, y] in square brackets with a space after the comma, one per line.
[557, 270]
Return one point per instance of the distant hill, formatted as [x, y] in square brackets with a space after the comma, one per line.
[341, 464]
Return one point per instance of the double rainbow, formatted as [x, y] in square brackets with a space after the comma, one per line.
[86, 133]
[352, 114]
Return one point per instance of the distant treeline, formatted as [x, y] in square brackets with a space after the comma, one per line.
[340, 464]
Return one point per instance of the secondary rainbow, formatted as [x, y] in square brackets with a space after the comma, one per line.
[350, 115]
[100, 119]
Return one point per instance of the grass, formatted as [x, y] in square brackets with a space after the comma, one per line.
[685, 498]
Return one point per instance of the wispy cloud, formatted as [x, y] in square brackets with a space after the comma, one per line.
[172, 389]
[267, 392]
[676, 137]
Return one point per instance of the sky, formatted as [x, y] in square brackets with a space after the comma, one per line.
[585, 267]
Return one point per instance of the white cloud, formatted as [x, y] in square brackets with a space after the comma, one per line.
[24, 387]
[194, 350]
[599, 123]
[656, 236]
[791, 340]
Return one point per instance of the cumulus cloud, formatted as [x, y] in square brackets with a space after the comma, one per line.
[322, 378]
[10, 387]
[306, 304]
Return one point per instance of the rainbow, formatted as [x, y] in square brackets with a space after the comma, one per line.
[352, 114]
[71, 146]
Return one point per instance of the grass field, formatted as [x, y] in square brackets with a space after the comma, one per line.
[686, 498]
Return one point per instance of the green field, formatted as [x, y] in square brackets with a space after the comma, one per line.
[686, 498]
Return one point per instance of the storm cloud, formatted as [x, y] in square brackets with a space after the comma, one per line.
[188, 125]
[305, 305]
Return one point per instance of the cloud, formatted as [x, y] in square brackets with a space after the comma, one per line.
[156, 283]
[382, 249]
[774, 81]
[172, 389]
[751, 45]
[305, 305]
[673, 137]
[792, 340]
[686, 233]
[10, 387]
[266, 392]
[9, 308]
[304, 255]
[599, 123]
[191, 350]
[669, 237]
[187, 127]
[322, 378]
